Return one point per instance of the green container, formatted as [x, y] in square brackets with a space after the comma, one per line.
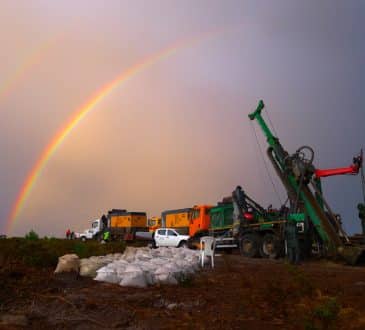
[221, 216]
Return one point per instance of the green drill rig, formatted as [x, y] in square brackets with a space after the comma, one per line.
[303, 186]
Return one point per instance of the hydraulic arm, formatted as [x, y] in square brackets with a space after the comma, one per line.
[353, 169]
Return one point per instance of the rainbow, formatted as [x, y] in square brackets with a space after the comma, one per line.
[31, 61]
[91, 104]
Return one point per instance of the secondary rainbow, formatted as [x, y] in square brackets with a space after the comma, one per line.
[30, 62]
[93, 101]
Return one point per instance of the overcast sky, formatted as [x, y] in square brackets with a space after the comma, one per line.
[177, 134]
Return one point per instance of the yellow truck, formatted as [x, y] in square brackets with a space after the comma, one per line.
[120, 224]
[177, 219]
[124, 225]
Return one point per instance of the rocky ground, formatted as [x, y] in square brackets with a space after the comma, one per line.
[238, 294]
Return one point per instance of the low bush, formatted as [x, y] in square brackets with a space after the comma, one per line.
[45, 252]
[324, 315]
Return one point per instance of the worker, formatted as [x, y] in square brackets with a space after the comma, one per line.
[106, 236]
[68, 233]
[292, 242]
[361, 208]
[104, 221]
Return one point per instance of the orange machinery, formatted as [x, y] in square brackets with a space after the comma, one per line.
[199, 219]
[153, 224]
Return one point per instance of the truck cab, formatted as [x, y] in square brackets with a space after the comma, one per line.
[153, 224]
[199, 219]
[90, 233]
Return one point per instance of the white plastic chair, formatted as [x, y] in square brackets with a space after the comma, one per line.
[207, 248]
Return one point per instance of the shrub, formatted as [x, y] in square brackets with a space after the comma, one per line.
[32, 236]
[324, 315]
[327, 311]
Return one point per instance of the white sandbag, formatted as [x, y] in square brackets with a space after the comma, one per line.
[94, 259]
[143, 257]
[117, 256]
[120, 272]
[134, 279]
[121, 263]
[156, 253]
[68, 263]
[106, 274]
[166, 253]
[181, 263]
[129, 253]
[133, 268]
[159, 261]
[170, 270]
[150, 277]
[166, 278]
[88, 268]
[147, 266]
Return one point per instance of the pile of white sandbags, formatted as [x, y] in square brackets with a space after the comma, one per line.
[140, 267]
[89, 266]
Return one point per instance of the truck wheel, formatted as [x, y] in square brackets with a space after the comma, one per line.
[83, 238]
[270, 246]
[249, 245]
[183, 244]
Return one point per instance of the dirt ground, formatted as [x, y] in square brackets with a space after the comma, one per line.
[238, 294]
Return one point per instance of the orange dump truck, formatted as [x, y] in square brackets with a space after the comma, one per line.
[199, 219]
[178, 219]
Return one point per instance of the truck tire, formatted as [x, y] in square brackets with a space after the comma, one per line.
[270, 246]
[83, 238]
[250, 245]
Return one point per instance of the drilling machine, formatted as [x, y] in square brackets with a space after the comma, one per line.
[303, 186]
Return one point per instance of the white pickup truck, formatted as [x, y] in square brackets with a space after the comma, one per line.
[170, 237]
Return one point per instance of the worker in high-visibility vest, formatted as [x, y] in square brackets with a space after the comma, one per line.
[106, 236]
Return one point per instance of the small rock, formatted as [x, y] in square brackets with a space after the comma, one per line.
[12, 319]
[171, 306]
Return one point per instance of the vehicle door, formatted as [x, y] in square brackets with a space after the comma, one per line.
[95, 228]
[172, 238]
[160, 237]
[89, 234]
